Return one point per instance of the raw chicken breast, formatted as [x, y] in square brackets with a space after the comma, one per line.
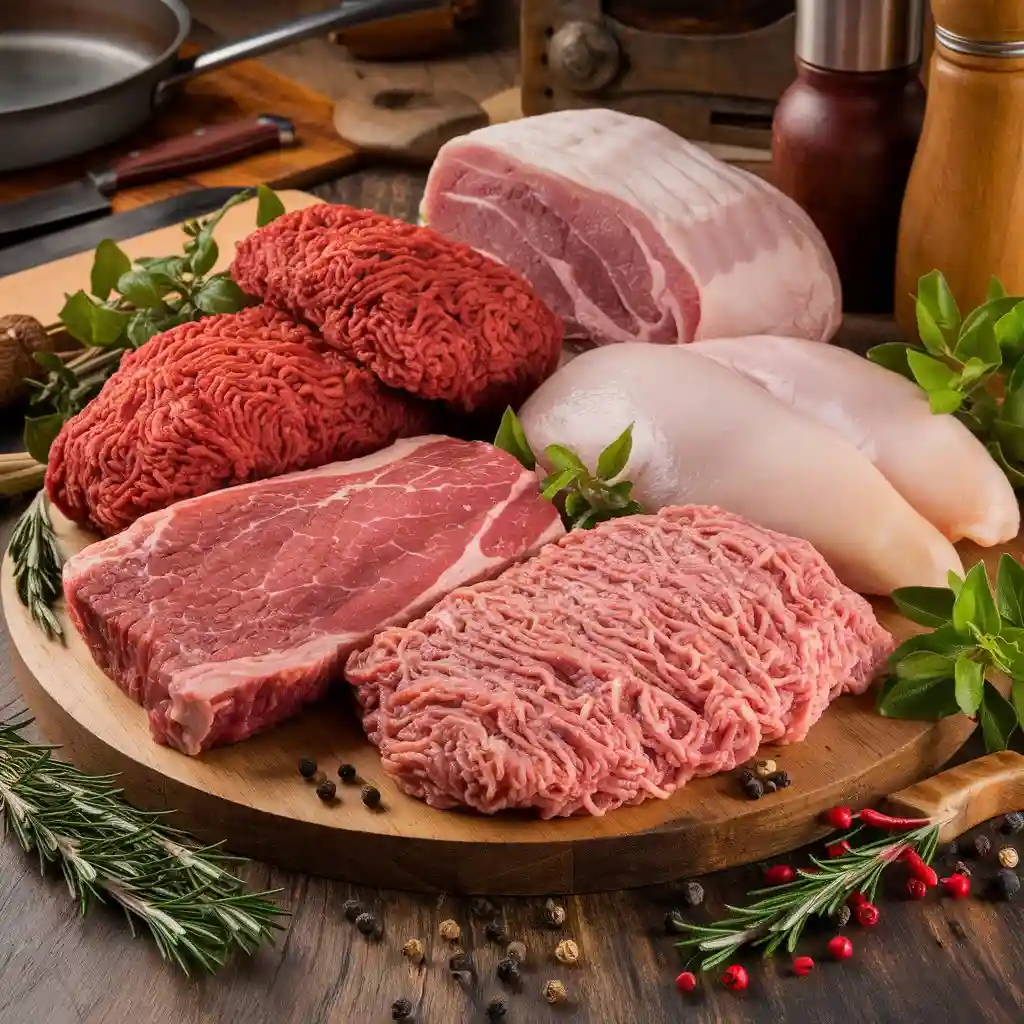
[631, 233]
[705, 435]
[935, 462]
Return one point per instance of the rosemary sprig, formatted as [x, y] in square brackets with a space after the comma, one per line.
[196, 911]
[781, 914]
[37, 565]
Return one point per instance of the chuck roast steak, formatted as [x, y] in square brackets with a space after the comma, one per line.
[225, 613]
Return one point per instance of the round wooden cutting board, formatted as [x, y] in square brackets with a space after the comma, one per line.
[251, 795]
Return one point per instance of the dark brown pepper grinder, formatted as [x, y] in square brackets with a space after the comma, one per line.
[845, 132]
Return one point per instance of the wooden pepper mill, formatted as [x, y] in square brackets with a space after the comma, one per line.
[964, 208]
[845, 133]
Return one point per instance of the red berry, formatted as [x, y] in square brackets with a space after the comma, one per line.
[840, 948]
[838, 849]
[735, 978]
[839, 817]
[916, 889]
[855, 899]
[958, 887]
[779, 874]
[686, 982]
[802, 965]
[866, 914]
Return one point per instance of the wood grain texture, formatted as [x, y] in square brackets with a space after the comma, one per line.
[957, 962]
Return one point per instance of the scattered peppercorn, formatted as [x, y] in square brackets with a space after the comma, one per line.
[307, 767]
[779, 874]
[1012, 823]
[483, 908]
[554, 914]
[763, 769]
[371, 796]
[347, 773]
[735, 978]
[496, 1009]
[962, 868]
[413, 951]
[449, 930]
[802, 965]
[517, 951]
[352, 909]
[782, 780]
[1008, 857]
[495, 932]
[686, 982]
[866, 914]
[840, 948]
[982, 845]
[839, 817]
[368, 925]
[837, 849]
[554, 992]
[754, 789]
[460, 963]
[693, 894]
[746, 774]
[843, 916]
[401, 1009]
[674, 923]
[1005, 885]
[509, 972]
[916, 889]
[958, 887]
[769, 786]
[567, 952]
[326, 791]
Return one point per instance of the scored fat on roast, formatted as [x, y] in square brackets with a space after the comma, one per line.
[615, 665]
[224, 614]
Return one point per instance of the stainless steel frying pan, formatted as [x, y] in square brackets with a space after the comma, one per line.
[77, 74]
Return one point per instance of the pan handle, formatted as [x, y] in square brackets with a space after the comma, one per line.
[345, 15]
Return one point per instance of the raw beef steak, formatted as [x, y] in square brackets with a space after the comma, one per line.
[223, 614]
[616, 665]
[631, 233]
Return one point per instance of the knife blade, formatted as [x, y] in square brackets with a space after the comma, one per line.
[91, 196]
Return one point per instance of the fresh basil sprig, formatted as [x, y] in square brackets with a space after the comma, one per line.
[587, 498]
[127, 304]
[974, 633]
[959, 360]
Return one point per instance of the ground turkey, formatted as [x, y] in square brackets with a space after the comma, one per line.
[425, 314]
[222, 401]
[615, 665]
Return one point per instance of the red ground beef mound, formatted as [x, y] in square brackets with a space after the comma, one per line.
[425, 314]
[219, 402]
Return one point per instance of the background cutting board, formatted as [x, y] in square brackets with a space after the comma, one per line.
[252, 795]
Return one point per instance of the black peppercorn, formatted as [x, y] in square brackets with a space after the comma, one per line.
[553, 914]
[769, 786]
[754, 788]
[508, 971]
[1012, 823]
[674, 923]
[495, 932]
[1005, 885]
[307, 768]
[982, 845]
[782, 780]
[460, 963]
[693, 894]
[371, 796]
[347, 773]
[746, 774]
[326, 791]
[401, 1009]
[483, 908]
[368, 925]
[843, 917]
[352, 909]
[496, 1009]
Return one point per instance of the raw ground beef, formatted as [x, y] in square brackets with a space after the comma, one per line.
[615, 665]
[225, 614]
[222, 401]
[427, 315]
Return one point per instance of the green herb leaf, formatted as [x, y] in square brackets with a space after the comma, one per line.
[575, 505]
[269, 207]
[1007, 650]
[938, 318]
[142, 289]
[925, 665]
[944, 640]
[143, 326]
[1010, 437]
[928, 698]
[998, 719]
[1010, 590]
[954, 581]
[1017, 700]
[944, 401]
[220, 295]
[108, 327]
[983, 410]
[979, 342]
[49, 361]
[893, 356]
[76, 316]
[969, 676]
[995, 289]
[932, 374]
[1009, 332]
[551, 485]
[205, 255]
[108, 264]
[1013, 473]
[563, 458]
[511, 438]
[40, 433]
[927, 606]
[612, 461]
[974, 606]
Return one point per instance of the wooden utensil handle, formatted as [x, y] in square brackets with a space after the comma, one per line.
[205, 147]
[966, 795]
